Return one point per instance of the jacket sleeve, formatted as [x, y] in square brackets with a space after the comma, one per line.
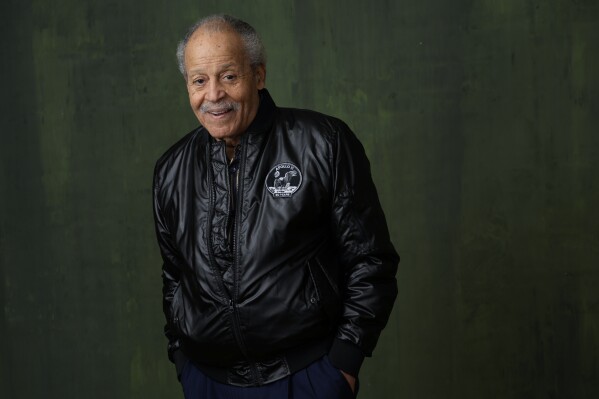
[365, 252]
[171, 272]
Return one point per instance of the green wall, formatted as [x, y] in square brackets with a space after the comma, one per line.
[481, 119]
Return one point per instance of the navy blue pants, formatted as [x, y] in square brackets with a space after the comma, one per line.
[320, 380]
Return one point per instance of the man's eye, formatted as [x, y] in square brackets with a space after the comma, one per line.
[199, 81]
[230, 77]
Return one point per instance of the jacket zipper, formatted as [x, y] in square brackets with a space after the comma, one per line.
[232, 187]
[236, 322]
[230, 300]
[212, 263]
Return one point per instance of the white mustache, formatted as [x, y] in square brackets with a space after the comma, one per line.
[221, 106]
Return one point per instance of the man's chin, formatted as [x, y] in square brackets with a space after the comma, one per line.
[222, 134]
[217, 130]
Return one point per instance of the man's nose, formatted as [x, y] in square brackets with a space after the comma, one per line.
[215, 90]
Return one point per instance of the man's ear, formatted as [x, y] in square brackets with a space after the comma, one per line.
[260, 76]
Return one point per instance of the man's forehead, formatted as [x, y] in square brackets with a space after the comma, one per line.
[215, 42]
[211, 66]
[214, 49]
[210, 36]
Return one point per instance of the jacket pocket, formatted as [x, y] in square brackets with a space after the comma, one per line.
[315, 297]
[177, 311]
[326, 291]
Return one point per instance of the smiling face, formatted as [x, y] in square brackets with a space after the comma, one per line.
[222, 84]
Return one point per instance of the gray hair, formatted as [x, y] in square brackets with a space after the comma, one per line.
[251, 41]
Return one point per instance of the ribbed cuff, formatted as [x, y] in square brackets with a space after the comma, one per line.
[346, 356]
[180, 360]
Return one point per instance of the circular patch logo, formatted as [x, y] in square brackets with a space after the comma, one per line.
[283, 180]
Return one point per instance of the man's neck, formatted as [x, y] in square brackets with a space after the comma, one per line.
[230, 146]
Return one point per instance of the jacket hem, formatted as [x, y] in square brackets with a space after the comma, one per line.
[295, 359]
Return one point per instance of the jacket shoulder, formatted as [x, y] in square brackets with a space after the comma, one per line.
[181, 146]
[178, 152]
[313, 125]
[305, 119]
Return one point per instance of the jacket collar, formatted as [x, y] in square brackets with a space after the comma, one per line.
[265, 115]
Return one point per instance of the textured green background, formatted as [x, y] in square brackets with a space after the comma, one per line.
[481, 119]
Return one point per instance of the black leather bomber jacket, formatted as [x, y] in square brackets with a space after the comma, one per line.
[306, 266]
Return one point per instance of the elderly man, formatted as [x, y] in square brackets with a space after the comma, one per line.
[278, 270]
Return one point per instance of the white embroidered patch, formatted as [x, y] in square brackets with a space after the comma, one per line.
[283, 180]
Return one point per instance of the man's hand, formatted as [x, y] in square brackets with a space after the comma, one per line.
[351, 380]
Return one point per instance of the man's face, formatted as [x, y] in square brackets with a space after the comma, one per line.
[222, 85]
